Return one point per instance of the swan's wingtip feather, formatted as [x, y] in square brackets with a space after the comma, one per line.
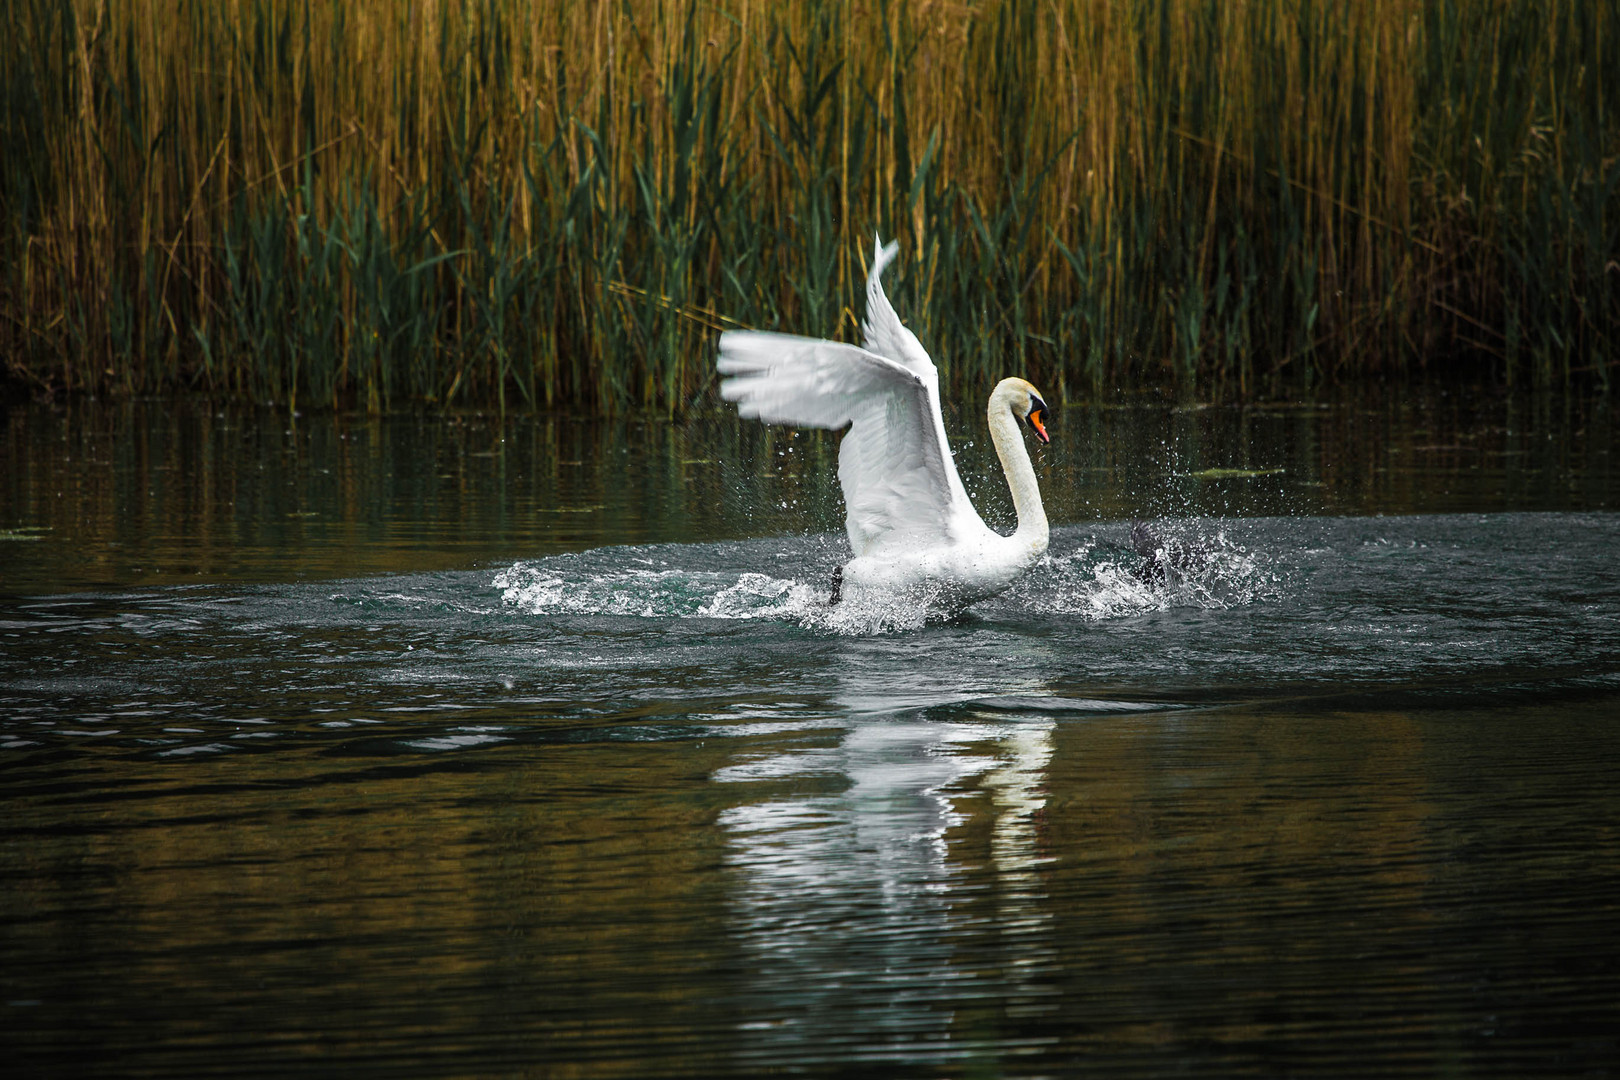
[737, 382]
[882, 255]
[732, 364]
[747, 351]
[735, 340]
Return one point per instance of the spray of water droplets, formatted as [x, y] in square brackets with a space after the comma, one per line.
[1094, 581]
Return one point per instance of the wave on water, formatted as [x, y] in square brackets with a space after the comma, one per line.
[1096, 580]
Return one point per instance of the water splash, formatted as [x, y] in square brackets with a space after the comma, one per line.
[1098, 580]
[1101, 580]
[547, 588]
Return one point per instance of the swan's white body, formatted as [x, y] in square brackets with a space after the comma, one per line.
[910, 522]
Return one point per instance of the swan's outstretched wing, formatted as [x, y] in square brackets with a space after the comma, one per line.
[886, 335]
[900, 484]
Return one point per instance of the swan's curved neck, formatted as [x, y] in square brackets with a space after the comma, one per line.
[1026, 494]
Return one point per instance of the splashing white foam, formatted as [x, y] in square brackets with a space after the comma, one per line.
[563, 587]
[1097, 583]
[1094, 583]
[761, 596]
[650, 594]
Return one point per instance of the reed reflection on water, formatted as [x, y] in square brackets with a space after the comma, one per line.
[341, 747]
[141, 493]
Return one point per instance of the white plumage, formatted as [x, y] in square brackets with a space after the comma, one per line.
[909, 519]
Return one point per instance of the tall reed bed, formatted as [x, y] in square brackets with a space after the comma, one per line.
[528, 203]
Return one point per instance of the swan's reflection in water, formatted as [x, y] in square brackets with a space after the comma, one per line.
[897, 893]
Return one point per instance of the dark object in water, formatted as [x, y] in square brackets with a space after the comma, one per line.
[1165, 559]
[838, 586]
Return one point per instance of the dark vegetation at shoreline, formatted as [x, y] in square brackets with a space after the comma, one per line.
[525, 205]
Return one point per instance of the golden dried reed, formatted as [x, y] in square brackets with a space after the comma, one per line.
[379, 202]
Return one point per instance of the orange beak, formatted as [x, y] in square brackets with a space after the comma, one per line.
[1036, 422]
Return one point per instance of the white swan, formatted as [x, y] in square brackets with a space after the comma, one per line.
[909, 520]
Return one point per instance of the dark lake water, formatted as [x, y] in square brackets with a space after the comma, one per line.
[455, 746]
